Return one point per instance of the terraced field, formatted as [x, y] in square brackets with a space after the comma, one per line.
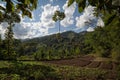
[89, 62]
[86, 61]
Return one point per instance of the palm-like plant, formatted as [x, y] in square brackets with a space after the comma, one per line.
[58, 16]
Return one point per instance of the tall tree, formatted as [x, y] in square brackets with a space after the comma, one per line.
[9, 40]
[0, 44]
[10, 14]
[58, 16]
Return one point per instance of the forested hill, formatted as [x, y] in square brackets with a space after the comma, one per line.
[67, 40]
[65, 36]
[104, 41]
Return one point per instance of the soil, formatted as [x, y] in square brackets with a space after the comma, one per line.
[89, 62]
[86, 61]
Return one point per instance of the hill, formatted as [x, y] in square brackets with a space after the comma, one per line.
[67, 40]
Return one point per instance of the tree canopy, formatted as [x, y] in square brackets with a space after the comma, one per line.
[101, 5]
[58, 16]
[104, 7]
[14, 7]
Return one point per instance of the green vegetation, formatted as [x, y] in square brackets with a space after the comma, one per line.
[104, 42]
[10, 14]
[105, 7]
[19, 6]
[41, 71]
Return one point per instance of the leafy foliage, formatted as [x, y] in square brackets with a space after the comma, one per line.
[49, 48]
[9, 43]
[105, 41]
[10, 14]
[24, 6]
[101, 5]
[104, 7]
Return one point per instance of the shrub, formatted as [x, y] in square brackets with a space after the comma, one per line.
[116, 53]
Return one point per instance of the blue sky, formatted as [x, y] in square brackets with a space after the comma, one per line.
[42, 24]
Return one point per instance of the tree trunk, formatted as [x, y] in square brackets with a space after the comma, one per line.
[59, 26]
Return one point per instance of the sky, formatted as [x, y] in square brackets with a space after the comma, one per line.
[42, 24]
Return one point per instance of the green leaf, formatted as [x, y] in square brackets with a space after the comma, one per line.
[109, 6]
[77, 1]
[34, 3]
[81, 1]
[80, 9]
[26, 12]
[1, 15]
[29, 14]
[27, 2]
[70, 2]
[93, 2]
[10, 7]
[81, 5]
[110, 19]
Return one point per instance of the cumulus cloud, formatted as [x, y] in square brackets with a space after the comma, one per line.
[90, 29]
[33, 29]
[29, 30]
[69, 11]
[86, 18]
[46, 16]
[25, 30]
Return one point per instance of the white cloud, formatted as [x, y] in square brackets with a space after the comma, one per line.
[51, 0]
[3, 27]
[69, 11]
[46, 16]
[33, 29]
[86, 18]
[2, 4]
[90, 29]
[29, 30]
[100, 22]
[25, 30]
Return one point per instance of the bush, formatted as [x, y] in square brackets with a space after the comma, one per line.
[116, 55]
[103, 52]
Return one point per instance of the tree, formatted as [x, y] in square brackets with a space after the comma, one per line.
[9, 40]
[58, 16]
[77, 51]
[71, 36]
[10, 14]
[19, 6]
[0, 46]
[102, 6]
